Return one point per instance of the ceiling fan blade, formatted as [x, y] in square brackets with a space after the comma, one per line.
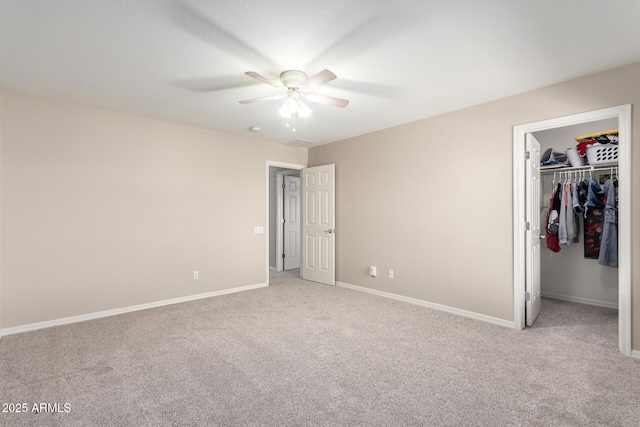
[319, 79]
[264, 98]
[262, 78]
[329, 100]
[212, 84]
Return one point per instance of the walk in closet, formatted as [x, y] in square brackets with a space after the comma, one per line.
[573, 272]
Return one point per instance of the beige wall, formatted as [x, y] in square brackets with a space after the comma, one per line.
[433, 199]
[104, 210]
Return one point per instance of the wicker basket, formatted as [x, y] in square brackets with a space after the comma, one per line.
[602, 154]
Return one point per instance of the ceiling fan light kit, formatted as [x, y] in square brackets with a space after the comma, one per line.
[297, 84]
[294, 109]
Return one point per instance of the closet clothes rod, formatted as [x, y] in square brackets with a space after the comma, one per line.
[613, 167]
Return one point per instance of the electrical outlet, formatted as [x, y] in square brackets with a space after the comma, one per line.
[373, 271]
[390, 274]
[196, 275]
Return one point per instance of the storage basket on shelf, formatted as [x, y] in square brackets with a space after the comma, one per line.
[600, 154]
[574, 157]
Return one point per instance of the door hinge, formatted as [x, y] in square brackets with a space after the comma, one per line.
[282, 220]
[527, 226]
[527, 296]
[527, 155]
[282, 255]
[283, 187]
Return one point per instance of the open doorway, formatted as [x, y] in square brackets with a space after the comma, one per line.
[579, 293]
[285, 221]
[522, 265]
[318, 231]
[573, 273]
[282, 230]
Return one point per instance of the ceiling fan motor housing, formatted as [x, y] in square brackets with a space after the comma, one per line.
[294, 79]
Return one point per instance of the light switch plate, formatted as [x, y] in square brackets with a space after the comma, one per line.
[258, 230]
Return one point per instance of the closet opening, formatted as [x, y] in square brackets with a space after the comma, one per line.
[571, 278]
[576, 264]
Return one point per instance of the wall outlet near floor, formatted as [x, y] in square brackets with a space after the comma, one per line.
[258, 230]
[390, 274]
[196, 275]
[373, 271]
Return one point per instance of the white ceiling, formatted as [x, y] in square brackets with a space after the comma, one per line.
[397, 61]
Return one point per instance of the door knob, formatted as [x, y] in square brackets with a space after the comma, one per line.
[331, 230]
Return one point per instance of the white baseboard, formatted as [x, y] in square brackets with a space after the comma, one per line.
[581, 300]
[439, 307]
[635, 354]
[115, 312]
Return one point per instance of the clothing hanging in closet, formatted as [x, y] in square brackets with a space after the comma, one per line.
[562, 223]
[584, 198]
[593, 219]
[609, 239]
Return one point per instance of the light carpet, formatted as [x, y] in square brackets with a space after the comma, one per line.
[303, 354]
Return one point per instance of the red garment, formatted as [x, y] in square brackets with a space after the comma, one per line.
[582, 147]
[552, 240]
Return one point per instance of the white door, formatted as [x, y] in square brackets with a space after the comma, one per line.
[532, 239]
[318, 225]
[291, 224]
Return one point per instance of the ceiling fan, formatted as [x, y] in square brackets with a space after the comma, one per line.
[295, 86]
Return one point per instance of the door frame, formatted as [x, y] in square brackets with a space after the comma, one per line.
[275, 164]
[623, 114]
[280, 214]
